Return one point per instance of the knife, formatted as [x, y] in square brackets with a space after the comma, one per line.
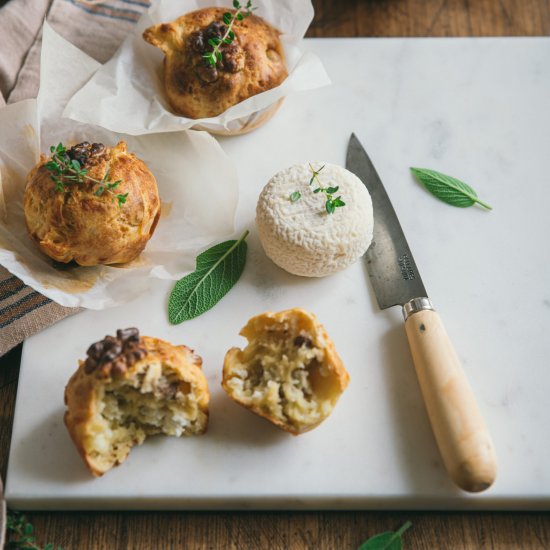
[460, 432]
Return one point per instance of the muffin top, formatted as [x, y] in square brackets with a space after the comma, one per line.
[197, 87]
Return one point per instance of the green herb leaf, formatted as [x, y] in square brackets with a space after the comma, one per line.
[122, 199]
[329, 205]
[227, 18]
[447, 188]
[332, 189]
[236, 4]
[295, 196]
[20, 532]
[217, 270]
[64, 170]
[389, 540]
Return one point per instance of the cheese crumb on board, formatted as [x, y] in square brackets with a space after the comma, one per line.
[301, 236]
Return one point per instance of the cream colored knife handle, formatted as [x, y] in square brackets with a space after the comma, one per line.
[462, 437]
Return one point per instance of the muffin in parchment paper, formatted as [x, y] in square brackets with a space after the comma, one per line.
[252, 63]
[106, 216]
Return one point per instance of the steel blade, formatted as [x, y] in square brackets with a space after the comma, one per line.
[390, 264]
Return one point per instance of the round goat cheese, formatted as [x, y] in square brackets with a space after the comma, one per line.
[301, 236]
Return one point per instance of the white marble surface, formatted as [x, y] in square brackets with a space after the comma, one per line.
[478, 109]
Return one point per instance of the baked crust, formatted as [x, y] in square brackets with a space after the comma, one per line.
[79, 225]
[255, 63]
[85, 396]
[289, 353]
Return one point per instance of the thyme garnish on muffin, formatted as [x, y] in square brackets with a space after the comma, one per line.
[215, 56]
[66, 166]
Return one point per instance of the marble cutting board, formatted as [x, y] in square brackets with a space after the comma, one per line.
[478, 109]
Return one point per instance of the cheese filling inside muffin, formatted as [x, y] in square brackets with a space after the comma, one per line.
[286, 372]
[154, 401]
[285, 377]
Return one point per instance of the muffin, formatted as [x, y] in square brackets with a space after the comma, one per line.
[252, 63]
[314, 220]
[289, 373]
[104, 216]
[131, 387]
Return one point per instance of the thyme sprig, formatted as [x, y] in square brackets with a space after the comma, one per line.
[64, 170]
[215, 56]
[331, 204]
[18, 526]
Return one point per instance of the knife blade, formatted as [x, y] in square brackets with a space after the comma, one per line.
[462, 437]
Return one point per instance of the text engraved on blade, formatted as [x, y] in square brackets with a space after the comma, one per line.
[406, 267]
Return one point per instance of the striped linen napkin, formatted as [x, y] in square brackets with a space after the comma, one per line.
[97, 27]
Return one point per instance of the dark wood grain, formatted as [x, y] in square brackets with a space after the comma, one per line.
[317, 530]
[431, 18]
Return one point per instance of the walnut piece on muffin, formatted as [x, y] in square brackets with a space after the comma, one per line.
[131, 387]
[251, 64]
[81, 220]
[289, 373]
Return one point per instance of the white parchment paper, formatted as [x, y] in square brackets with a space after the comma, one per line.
[197, 184]
[126, 94]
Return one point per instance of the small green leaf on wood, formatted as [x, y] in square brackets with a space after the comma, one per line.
[448, 189]
[217, 270]
[20, 533]
[390, 540]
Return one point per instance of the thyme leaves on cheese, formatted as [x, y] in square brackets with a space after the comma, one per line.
[214, 56]
[331, 202]
[65, 171]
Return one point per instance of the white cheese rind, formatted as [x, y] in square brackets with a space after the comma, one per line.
[301, 237]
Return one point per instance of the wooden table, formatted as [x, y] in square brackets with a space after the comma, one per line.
[316, 530]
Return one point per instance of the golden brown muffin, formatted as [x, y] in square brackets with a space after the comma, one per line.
[288, 373]
[129, 388]
[86, 222]
[251, 64]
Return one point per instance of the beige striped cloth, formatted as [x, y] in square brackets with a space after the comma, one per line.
[96, 27]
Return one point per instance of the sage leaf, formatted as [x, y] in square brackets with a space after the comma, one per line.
[217, 270]
[448, 189]
[390, 540]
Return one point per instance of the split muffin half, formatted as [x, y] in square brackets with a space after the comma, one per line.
[289, 373]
